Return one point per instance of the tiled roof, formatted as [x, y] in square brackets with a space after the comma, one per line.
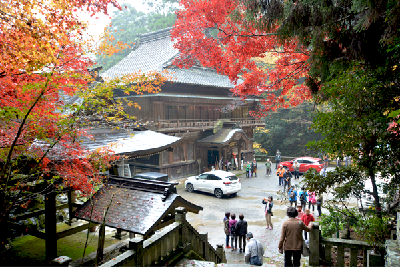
[135, 205]
[155, 52]
[222, 136]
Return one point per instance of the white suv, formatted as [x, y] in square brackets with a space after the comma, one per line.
[217, 182]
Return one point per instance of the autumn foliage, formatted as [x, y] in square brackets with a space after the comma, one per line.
[44, 64]
[217, 36]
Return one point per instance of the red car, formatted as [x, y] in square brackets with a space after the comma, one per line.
[306, 163]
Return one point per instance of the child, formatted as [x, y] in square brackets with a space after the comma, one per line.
[300, 215]
[232, 231]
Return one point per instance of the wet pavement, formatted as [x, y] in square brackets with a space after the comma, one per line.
[249, 203]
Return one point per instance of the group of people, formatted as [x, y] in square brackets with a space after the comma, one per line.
[305, 197]
[237, 229]
[284, 176]
[251, 168]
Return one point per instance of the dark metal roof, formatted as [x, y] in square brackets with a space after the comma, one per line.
[135, 205]
[132, 143]
[223, 136]
[155, 52]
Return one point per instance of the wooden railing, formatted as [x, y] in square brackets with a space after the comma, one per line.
[197, 123]
[170, 243]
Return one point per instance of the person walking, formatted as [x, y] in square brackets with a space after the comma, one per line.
[320, 199]
[291, 240]
[303, 198]
[254, 251]
[268, 164]
[277, 159]
[226, 228]
[268, 211]
[296, 167]
[254, 167]
[307, 218]
[241, 231]
[292, 196]
[311, 200]
[232, 231]
[280, 173]
[287, 180]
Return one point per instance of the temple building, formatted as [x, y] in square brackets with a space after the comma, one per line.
[196, 105]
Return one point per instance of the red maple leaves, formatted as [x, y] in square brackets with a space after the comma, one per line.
[216, 34]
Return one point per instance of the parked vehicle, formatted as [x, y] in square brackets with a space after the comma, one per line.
[306, 163]
[158, 176]
[216, 182]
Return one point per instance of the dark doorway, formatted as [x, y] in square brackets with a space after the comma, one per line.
[213, 158]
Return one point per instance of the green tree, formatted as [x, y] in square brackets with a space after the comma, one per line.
[127, 24]
[289, 131]
[354, 122]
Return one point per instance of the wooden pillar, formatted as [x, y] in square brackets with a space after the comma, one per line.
[328, 254]
[239, 155]
[100, 244]
[51, 226]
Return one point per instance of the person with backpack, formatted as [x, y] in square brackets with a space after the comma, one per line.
[287, 179]
[280, 173]
[292, 196]
[226, 227]
[254, 252]
[232, 231]
[311, 201]
[303, 198]
[268, 164]
[268, 211]
[320, 199]
[241, 231]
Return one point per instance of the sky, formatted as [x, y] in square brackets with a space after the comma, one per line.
[96, 27]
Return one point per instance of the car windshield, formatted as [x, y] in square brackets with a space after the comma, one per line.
[320, 161]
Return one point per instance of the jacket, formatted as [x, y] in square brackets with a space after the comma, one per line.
[305, 195]
[241, 227]
[232, 222]
[296, 166]
[287, 176]
[280, 172]
[253, 248]
[226, 226]
[291, 234]
[295, 195]
[307, 219]
[312, 198]
[320, 199]
[268, 164]
[268, 206]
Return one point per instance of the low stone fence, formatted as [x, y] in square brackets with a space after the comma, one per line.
[389, 255]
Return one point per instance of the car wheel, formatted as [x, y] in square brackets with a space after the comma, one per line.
[218, 193]
[189, 188]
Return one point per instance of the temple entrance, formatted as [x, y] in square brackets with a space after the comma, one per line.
[213, 159]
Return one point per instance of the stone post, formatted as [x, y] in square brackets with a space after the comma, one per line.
[136, 244]
[314, 245]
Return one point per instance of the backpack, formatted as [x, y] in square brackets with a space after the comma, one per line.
[292, 195]
[302, 197]
[233, 229]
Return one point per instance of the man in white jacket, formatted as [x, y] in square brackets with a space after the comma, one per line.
[254, 251]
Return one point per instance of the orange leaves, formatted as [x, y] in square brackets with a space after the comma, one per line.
[217, 35]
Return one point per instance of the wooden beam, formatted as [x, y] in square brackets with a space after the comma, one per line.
[51, 226]
[75, 230]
